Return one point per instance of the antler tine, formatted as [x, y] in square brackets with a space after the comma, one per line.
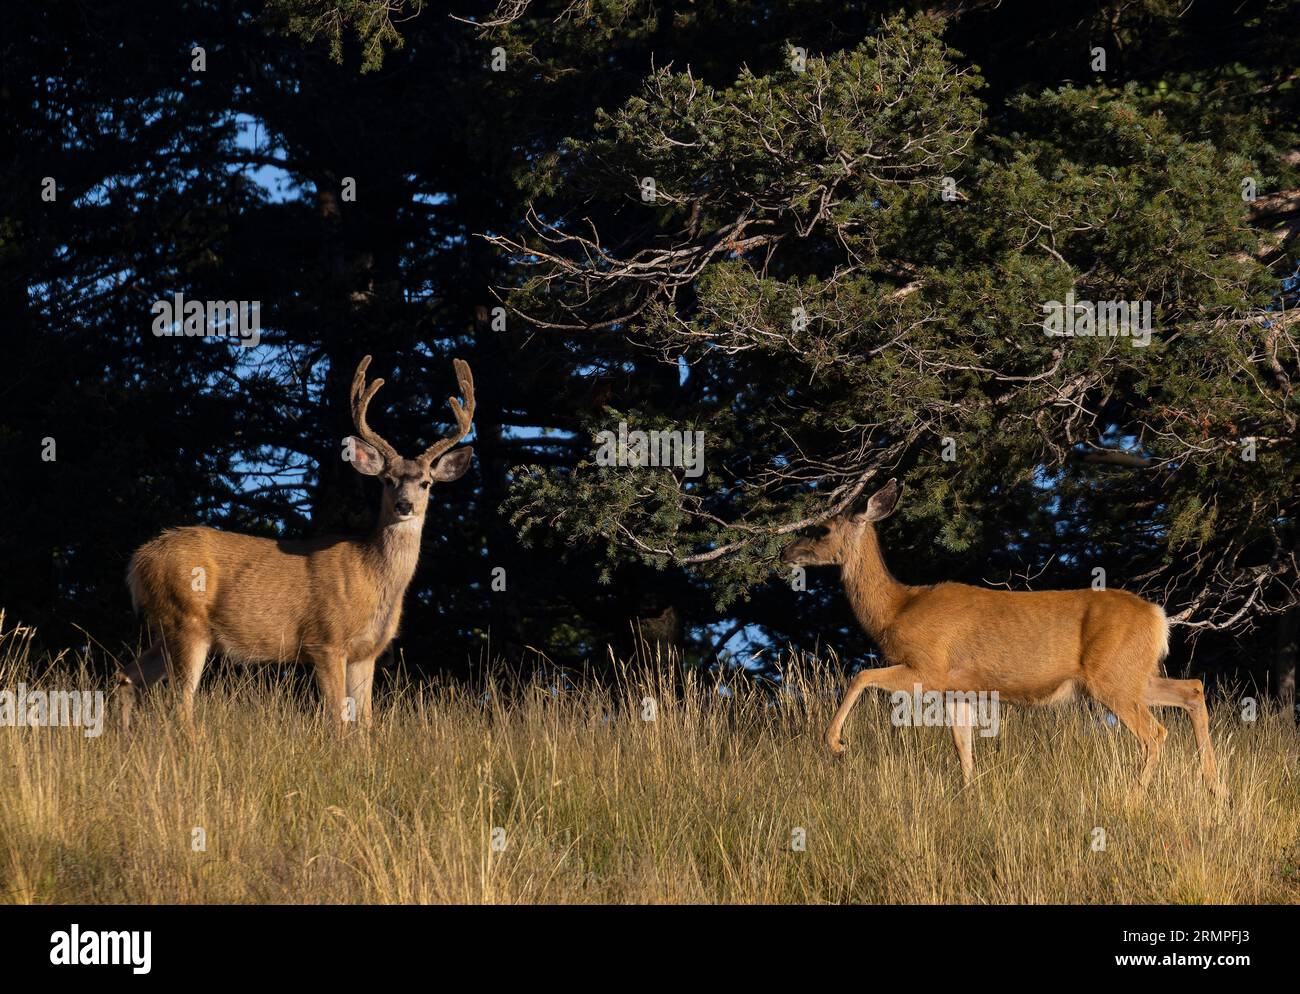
[464, 414]
[361, 397]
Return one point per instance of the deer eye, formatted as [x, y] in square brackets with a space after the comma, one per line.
[425, 484]
[391, 481]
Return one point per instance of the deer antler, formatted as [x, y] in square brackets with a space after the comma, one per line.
[361, 395]
[464, 414]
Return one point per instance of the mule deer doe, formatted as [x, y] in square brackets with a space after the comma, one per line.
[1030, 647]
[336, 600]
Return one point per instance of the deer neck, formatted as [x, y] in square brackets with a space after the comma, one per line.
[874, 594]
[395, 549]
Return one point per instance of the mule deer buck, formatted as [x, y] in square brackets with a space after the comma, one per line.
[1030, 647]
[335, 600]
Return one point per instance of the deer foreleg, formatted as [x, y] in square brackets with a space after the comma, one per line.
[329, 667]
[889, 677]
[360, 686]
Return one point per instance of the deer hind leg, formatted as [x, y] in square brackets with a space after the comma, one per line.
[1117, 667]
[189, 652]
[135, 679]
[1139, 720]
[961, 717]
[887, 677]
[1190, 696]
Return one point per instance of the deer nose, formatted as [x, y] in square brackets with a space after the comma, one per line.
[403, 507]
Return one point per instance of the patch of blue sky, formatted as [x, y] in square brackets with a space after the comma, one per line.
[433, 199]
[536, 433]
[279, 184]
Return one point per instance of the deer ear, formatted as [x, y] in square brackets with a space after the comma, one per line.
[883, 502]
[365, 458]
[452, 466]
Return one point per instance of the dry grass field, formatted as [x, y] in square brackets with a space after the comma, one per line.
[519, 794]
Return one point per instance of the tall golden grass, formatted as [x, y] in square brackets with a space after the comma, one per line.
[525, 793]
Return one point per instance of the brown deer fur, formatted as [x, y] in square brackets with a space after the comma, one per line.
[335, 601]
[1031, 647]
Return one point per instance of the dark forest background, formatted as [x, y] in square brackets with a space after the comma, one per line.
[798, 287]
